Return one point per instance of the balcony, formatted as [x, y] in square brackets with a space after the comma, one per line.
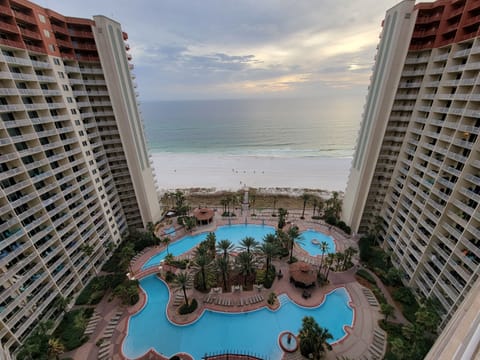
[64, 43]
[35, 48]
[59, 29]
[25, 17]
[30, 34]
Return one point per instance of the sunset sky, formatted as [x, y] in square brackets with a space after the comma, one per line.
[214, 49]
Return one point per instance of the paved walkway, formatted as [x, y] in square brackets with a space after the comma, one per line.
[111, 327]
[397, 316]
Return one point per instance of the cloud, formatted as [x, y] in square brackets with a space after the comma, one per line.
[217, 48]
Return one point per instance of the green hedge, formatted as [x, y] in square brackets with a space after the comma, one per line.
[366, 275]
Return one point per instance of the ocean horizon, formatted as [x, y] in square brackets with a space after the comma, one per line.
[230, 144]
[255, 127]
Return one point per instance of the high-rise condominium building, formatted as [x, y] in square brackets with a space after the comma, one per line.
[415, 177]
[74, 168]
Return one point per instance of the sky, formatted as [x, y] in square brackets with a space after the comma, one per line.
[217, 49]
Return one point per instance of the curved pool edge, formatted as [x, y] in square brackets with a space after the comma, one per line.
[347, 328]
[143, 267]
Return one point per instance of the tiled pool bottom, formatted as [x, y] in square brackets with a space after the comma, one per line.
[255, 331]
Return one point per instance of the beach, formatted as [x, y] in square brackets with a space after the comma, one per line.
[234, 172]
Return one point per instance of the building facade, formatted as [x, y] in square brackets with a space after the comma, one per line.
[74, 168]
[415, 178]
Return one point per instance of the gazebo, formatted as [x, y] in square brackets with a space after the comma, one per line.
[302, 274]
[203, 216]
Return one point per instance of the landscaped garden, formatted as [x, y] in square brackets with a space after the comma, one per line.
[413, 338]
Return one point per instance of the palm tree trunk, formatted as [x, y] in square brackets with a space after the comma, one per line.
[224, 281]
[185, 294]
[204, 281]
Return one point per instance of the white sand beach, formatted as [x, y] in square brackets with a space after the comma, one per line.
[233, 172]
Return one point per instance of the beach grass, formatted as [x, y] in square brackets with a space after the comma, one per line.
[258, 198]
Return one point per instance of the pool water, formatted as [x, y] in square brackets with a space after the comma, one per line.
[236, 233]
[255, 331]
[311, 239]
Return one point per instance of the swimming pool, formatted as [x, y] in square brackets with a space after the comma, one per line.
[255, 331]
[235, 233]
[311, 240]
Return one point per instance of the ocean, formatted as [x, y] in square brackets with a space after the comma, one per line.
[321, 127]
[269, 144]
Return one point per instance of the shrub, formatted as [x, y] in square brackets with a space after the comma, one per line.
[271, 298]
[344, 227]
[404, 295]
[260, 276]
[169, 276]
[379, 295]
[366, 275]
[93, 292]
[70, 330]
[184, 309]
[331, 219]
[269, 277]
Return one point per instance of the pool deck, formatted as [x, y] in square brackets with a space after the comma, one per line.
[364, 341]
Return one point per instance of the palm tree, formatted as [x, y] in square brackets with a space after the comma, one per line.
[305, 198]
[328, 262]
[253, 198]
[387, 310]
[166, 241]
[62, 303]
[248, 243]
[338, 260]
[222, 266]
[324, 247]
[268, 250]
[274, 197]
[282, 239]
[377, 229]
[349, 252]
[211, 241]
[320, 206]
[315, 204]
[282, 215]
[224, 202]
[293, 236]
[126, 255]
[246, 265]
[336, 204]
[313, 339]
[202, 263]
[270, 238]
[181, 281]
[225, 246]
[55, 347]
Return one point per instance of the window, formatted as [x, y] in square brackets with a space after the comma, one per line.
[42, 18]
[69, 100]
[73, 111]
[46, 33]
[56, 61]
[77, 122]
[81, 133]
[61, 74]
[51, 47]
[65, 87]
